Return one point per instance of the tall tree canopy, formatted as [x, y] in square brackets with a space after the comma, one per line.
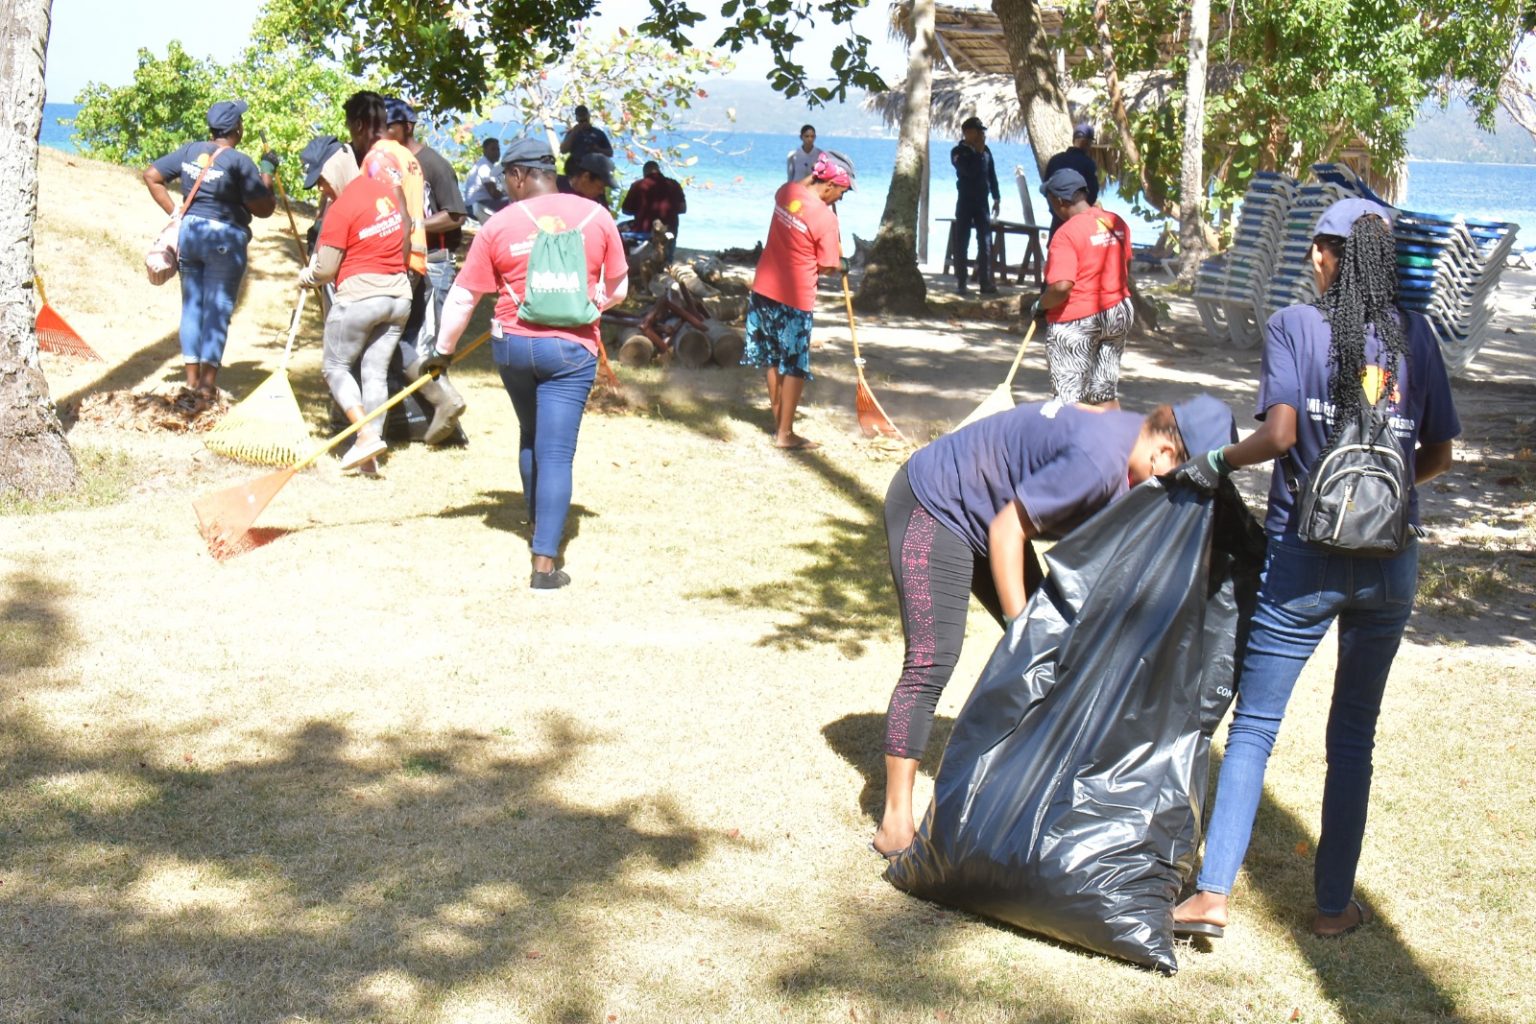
[452, 53]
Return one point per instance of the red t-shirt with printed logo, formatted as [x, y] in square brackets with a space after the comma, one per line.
[498, 259]
[802, 238]
[366, 221]
[1093, 251]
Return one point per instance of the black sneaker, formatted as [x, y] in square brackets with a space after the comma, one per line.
[552, 580]
[988, 289]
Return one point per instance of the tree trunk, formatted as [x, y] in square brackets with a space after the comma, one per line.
[1192, 232]
[892, 281]
[34, 456]
[1042, 95]
[1128, 148]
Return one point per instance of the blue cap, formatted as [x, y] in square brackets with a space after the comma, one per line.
[528, 152]
[319, 149]
[1083, 131]
[224, 116]
[1339, 218]
[397, 110]
[1205, 423]
[1064, 184]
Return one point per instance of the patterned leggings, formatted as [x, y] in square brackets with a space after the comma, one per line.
[1084, 355]
[935, 573]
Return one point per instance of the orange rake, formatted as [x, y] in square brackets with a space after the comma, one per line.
[225, 518]
[872, 418]
[56, 336]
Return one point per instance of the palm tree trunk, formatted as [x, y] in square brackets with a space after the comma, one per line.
[892, 281]
[34, 456]
[1042, 96]
[1192, 230]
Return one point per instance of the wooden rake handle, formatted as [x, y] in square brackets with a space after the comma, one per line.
[852, 330]
[1019, 359]
[394, 400]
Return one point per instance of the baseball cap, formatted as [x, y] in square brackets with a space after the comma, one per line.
[224, 116]
[1083, 131]
[834, 167]
[316, 152]
[1064, 184]
[597, 165]
[1339, 218]
[972, 122]
[528, 152]
[396, 110]
[1205, 423]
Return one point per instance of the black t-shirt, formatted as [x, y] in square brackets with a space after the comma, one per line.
[586, 140]
[442, 192]
[1079, 161]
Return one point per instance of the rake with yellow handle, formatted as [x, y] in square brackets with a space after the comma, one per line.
[1001, 398]
[872, 418]
[225, 518]
[56, 336]
[266, 428]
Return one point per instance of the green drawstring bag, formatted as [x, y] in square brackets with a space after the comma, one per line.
[555, 291]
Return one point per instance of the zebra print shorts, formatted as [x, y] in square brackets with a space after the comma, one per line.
[1084, 355]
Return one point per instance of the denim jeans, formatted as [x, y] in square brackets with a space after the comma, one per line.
[973, 214]
[211, 261]
[548, 380]
[1304, 590]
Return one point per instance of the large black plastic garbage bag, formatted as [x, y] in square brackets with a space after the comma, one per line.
[1069, 798]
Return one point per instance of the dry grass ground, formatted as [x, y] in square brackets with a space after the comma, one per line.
[363, 774]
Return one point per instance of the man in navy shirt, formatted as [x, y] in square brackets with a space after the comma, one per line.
[975, 179]
[1075, 157]
[583, 138]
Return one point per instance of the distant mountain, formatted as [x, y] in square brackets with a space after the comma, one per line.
[1452, 134]
[758, 108]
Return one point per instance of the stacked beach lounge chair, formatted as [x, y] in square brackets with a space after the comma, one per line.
[1229, 288]
[1447, 267]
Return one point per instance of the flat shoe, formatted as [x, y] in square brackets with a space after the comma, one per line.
[1204, 929]
[800, 445]
[891, 855]
[362, 450]
[1364, 915]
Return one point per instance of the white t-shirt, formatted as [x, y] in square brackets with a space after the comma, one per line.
[475, 190]
[801, 163]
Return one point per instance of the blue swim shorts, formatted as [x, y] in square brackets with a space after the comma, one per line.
[778, 336]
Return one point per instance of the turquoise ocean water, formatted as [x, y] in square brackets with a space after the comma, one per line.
[732, 184]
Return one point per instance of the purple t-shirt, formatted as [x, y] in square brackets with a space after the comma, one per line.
[1062, 463]
[1295, 373]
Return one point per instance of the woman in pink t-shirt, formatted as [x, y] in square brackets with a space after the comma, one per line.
[547, 368]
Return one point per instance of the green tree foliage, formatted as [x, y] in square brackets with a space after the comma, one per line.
[454, 54]
[291, 97]
[1294, 81]
[636, 88]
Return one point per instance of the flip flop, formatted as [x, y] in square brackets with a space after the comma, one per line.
[801, 445]
[893, 854]
[1366, 916]
[1204, 929]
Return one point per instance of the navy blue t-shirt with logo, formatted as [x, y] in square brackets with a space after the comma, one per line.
[1062, 462]
[233, 179]
[1295, 373]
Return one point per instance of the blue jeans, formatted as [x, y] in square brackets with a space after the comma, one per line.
[548, 380]
[1304, 589]
[416, 340]
[211, 261]
[970, 215]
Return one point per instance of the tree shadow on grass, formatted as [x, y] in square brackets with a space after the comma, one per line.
[859, 739]
[126, 375]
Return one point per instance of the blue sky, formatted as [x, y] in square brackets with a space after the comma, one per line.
[99, 40]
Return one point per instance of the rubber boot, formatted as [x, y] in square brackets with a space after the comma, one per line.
[447, 405]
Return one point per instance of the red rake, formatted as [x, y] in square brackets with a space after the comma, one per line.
[225, 518]
[872, 418]
[56, 336]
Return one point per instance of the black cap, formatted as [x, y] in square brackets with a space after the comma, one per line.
[597, 165]
[224, 116]
[397, 110]
[319, 149]
[972, 122]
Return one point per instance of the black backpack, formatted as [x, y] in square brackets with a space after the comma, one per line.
[1355, 502]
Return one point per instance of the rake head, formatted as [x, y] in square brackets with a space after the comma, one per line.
[225, 517]
[872, 418]
[56, 336]
[267, 428]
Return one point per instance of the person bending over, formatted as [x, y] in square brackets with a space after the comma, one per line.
[960, 517]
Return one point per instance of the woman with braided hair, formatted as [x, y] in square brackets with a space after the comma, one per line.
[1354, 345]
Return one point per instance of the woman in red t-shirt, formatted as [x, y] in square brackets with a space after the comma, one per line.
[363, 247]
